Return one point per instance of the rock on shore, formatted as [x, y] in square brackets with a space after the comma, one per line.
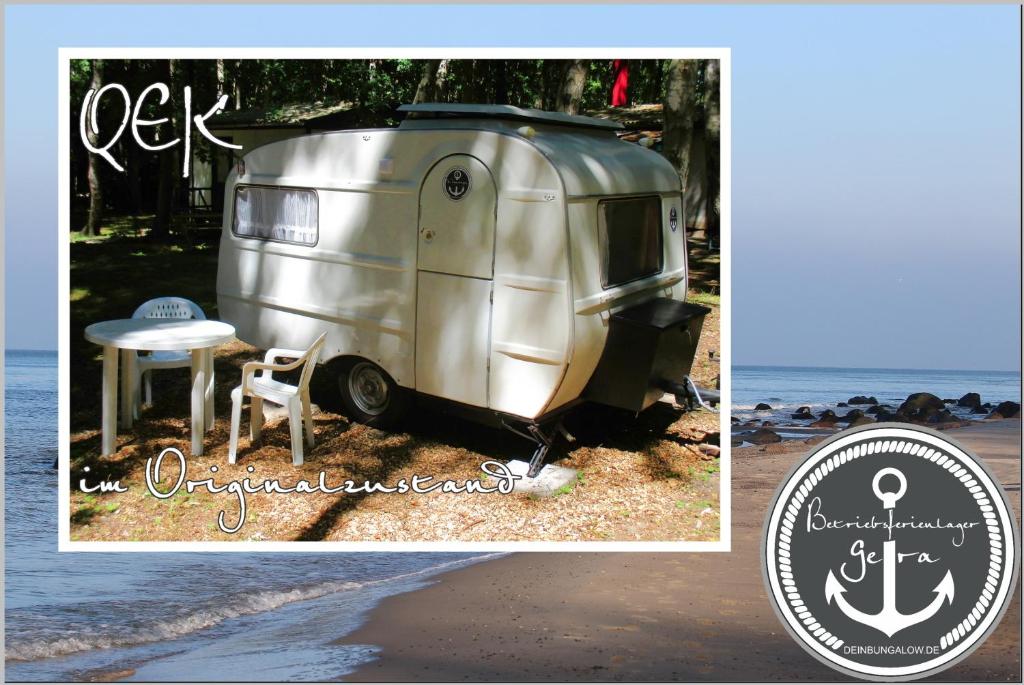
[1006, 410]
[852, 415]
[971, 399]
[803, 414]
[763, 436]
[921, 400]
[922, 407]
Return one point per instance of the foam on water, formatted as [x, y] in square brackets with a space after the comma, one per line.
[786, 389]
[86, 637]
[265, 616]
[206, 617]
[68, 615]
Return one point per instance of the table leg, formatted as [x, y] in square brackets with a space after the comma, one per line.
[127, 388]
[198, 400]
[208, 409]
[108, 442]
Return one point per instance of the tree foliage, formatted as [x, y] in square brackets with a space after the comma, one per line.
[375, 87]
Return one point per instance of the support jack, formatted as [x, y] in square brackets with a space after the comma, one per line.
[543, 439]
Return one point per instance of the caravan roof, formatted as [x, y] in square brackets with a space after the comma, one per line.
[433, 110]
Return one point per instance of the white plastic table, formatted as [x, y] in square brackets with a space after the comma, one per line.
[131, 335]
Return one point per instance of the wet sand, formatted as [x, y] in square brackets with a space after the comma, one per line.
[643, 617]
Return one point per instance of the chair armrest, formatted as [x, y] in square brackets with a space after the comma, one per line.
[250, 369]
[275, 353]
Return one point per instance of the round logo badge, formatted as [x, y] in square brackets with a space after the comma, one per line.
[457, 183]
[890, 552]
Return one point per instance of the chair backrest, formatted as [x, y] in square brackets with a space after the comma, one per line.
[312, 355]
[169, 308]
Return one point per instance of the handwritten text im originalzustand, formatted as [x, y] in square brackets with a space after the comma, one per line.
[504, 481]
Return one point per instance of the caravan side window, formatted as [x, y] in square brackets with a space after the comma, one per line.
[629, 232]
[287, 215]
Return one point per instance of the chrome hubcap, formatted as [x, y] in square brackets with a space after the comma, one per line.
[368, 388]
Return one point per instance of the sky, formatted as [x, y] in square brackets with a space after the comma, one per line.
[875, 168]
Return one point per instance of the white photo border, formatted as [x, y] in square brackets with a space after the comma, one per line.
[66, 54]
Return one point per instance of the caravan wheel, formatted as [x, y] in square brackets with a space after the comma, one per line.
[369, 394]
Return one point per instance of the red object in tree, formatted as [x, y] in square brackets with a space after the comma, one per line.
[620, 88]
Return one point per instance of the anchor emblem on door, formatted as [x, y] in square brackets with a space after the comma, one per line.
[889, 620]
[456, 183]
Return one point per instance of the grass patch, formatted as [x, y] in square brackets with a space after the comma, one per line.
[706, 299]
[569, 487]
[117, 227]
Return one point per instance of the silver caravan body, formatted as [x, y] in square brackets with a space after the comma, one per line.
[477, 254]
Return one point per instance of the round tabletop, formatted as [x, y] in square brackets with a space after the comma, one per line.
[160, 334]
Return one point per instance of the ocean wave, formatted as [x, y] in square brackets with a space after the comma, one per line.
[206, 617]
[247, 604]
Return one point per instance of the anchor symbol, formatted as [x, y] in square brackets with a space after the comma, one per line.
[889, 620]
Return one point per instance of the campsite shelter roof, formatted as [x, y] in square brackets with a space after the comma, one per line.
[308, 115]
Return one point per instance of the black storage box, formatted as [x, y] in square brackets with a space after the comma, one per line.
[647, 344]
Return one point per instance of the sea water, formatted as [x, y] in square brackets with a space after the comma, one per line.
[787, 388]
[269, 617]
[169, 616]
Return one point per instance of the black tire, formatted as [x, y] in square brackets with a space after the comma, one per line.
[369, 394]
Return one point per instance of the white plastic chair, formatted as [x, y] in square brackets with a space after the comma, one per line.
[264, 387]
[162, 308]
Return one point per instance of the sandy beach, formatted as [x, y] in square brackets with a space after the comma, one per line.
[645, 617]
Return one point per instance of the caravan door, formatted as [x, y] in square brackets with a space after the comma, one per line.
[455, 262]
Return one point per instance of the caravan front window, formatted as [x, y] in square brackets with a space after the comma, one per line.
[629, 231]
[288, 215]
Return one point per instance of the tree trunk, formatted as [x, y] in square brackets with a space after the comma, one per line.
[168, 164]
[220, 76]
[183, 180]
[501, 82]
[713, 137]
[655, 75]
[95, 218]
[133, 154]
[164, 191]
[574, 79]
[327, 66]
[476, 89]
[366, 85]
[236, 86]
[441, 81]
[426, 91]
[680, 116]
[551, 76]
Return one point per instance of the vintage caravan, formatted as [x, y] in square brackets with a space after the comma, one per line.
[509, 262]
